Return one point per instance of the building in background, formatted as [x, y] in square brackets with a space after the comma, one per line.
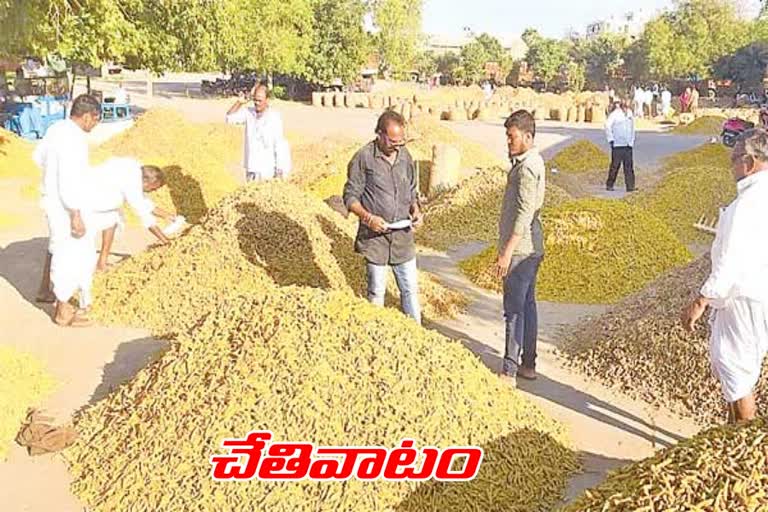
[442, 44]
[630, 23]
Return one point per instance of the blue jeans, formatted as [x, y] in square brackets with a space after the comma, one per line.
[407, 278]
[520, 313]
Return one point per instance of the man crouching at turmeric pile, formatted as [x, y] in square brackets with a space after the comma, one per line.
[118, 181]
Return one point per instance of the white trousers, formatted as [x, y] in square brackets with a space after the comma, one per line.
[74, 259]
[738, 346]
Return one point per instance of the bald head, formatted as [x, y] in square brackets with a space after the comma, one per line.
[260, 97]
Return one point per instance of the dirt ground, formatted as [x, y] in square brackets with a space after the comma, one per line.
[607, 429]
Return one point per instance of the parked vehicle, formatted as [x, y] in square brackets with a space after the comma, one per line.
[735, 126]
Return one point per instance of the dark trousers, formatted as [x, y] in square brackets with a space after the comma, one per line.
[622, 157]
[520, 313]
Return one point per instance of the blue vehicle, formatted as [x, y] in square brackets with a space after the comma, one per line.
[39, 98]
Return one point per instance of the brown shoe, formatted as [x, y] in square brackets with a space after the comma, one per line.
[526, 373]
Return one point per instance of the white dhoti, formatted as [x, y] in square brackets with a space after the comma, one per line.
[74, 259]
[738, 346]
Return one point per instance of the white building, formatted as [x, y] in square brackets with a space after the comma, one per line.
[629, 23]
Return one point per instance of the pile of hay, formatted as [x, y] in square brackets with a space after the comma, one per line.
[724, 468]
[471, 211]
[580, 157]
[322, 367]
[706, 125]
[263, 235]
[696, 183]
[640, 348]
[24, 384]
[597, 252]
[201, 161]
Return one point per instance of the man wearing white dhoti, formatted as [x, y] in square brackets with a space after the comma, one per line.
[267, 154]
[114, 183]
[63, 157]
[737, 288]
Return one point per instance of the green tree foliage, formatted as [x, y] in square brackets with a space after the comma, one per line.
[448, 64]
[341, 46]
[603, 58]
[473, 59]
[575, 76]
[91, 32]
[747, 66]
[547, 57]
[427, 64]
[690, 39]
[399, 34]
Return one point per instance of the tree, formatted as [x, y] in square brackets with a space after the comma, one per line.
[690, 39]
[92, 32]
[341, 46]
[547, 57]
[427, 64]
[399, 34]
[473, 60]
[747, 66]
[448, 64]
[603, 58]
[575, 76]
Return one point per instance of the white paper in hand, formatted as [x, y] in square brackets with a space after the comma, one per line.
[401, 224]
[175, 226]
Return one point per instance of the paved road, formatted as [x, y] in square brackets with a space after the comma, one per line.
[650, 148]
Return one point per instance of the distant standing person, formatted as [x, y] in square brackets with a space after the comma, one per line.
[737, 287]
[267, 154]
[666, 102]
[694, 108]
[685, 101]
[381, 190]
[638, 100]
[620, 132]
[521, 245]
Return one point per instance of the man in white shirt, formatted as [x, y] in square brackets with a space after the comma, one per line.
[666, 102]
[118, 181]
[638, 100]
[737, 288]
[267, 154]
[63, 157]
[620, 132]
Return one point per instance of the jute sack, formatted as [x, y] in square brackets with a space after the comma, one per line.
[317, 99]
[446, 167]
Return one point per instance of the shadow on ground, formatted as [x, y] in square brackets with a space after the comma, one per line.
[21, 264]
[130, 357]
[565, 395]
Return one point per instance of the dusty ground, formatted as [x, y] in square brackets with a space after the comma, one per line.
[607, 429]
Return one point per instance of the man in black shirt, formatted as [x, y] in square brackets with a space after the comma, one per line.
[381, 191]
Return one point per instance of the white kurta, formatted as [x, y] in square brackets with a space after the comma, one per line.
[738, 290]
[266, 149]
[112, 184]
[63, 158]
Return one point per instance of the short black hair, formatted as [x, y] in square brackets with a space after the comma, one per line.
[153, 174]
[387, 118]
[523, 121]
[85, 104]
